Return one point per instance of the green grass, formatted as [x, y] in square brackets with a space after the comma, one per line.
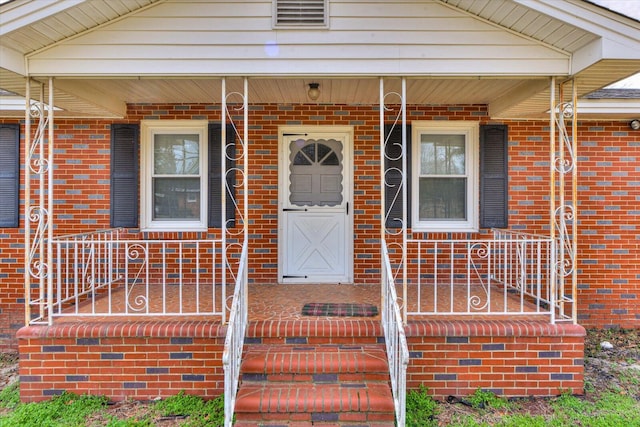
[71, 410]
[421, 409]
[65, 410]
[608, 409]
[482, 399]
[10, 396]
[201, 413]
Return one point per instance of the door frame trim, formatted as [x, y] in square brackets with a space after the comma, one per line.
[343, 132]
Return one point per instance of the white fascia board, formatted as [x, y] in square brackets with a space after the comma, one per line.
[599, 50]
[12, 60]
[612, 49]
[587, 56]
[18, 14]
[16, 103]
[12, 103]
[609, 107]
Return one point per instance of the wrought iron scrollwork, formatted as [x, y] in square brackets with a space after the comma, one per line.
[564, 164]
[394, 177]
[38, 218]
[136, 255]
[476, 254]
[236, 152]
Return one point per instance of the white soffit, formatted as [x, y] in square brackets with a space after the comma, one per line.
[525, 20]
[29, 25]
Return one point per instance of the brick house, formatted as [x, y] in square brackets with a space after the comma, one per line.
[198, 171]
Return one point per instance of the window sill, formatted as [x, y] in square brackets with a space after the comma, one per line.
[445, 228]
[173, 228]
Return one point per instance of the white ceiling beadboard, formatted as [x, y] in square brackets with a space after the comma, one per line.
[84, 16]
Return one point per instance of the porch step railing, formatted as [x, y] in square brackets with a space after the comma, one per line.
[104, 274]
[234, 341]
[395, 339]
[513, 274]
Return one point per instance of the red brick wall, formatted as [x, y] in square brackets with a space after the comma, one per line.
[608, 227]
[139, 361]
[11, 286]
[609, 192]
[508, 358]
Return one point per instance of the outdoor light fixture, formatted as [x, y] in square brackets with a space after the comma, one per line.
[634, 124]
[313, 91]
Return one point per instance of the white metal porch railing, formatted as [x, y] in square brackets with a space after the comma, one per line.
[513, 273]
[104, 274]
[395, 339]
[232, 355]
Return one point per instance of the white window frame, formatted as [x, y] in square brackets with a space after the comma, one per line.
[150, 128]
[471, 132]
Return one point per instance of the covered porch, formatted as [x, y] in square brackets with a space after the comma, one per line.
[126, 296]
[192, 290]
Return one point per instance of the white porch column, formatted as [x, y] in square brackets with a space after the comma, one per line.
[564, 198]
[397, 238]
[38, 213]
[233, 238]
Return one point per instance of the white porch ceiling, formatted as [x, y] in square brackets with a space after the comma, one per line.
[56, 21]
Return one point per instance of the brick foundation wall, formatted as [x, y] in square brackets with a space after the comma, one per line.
[510, 358]
[608, 196]
[145, 360]
[129, 360]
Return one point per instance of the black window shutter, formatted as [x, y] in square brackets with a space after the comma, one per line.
[393, 178]
[494, 185]
[216, 150]
[124, 175]
[9, 175]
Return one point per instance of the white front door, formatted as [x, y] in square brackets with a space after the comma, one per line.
[315, 221]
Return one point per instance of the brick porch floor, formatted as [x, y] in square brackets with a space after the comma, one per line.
[284, 302]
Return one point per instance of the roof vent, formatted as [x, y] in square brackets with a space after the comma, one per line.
[300, 13]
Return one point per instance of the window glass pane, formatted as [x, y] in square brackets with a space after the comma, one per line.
[315, 174]
[301, 160]
[323, 150]
[176, 199]
[443, 199]
[310, 152]
[176, 154]
[442, 154]
[331, 160]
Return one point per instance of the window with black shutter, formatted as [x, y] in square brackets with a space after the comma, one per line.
[124, 175]
[492, 176]
[9, 175]
[494, 185]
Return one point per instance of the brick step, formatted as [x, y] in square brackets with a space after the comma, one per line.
[354, 423]
[314, 423]
[326, 363]
[326, 385]
[348, 402]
